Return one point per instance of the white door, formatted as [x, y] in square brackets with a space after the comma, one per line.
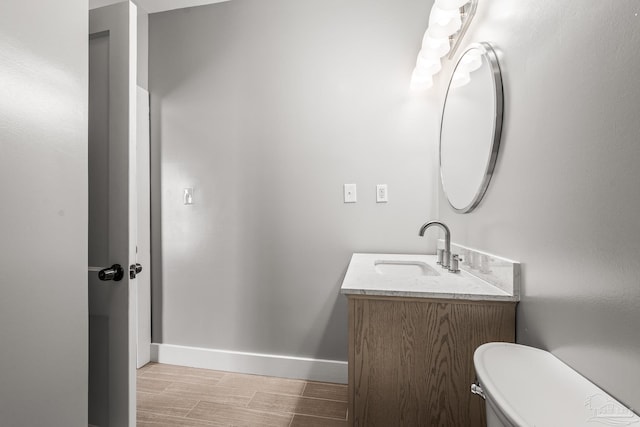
[143, 253]
[112, 215]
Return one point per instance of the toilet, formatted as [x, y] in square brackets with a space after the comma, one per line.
[526, 386]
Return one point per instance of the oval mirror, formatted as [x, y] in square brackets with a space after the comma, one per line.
[471, 127]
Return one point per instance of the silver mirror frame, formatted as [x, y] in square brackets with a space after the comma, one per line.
[490, 55]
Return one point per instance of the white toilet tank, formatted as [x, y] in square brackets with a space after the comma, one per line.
[526, 386]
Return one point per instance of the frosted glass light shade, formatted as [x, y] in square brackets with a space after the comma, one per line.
[471, 61]
[450, 4]
[442, 17]
[444, 23]
[428, 62]
[440, 46]
[460, 78]
[420, 80]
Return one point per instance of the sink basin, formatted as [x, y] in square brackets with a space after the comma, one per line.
[399, 268]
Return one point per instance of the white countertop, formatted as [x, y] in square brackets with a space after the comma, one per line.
[363, 278]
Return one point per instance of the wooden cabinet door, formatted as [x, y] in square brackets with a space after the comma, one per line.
[411, 360]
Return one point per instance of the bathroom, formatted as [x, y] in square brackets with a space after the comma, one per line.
[266, 109]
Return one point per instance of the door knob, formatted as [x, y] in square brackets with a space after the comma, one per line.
[134, 269]
[115, 273]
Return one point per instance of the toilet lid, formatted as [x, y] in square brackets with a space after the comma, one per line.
[532, 387]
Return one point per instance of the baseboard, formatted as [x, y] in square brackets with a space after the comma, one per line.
[334, 371]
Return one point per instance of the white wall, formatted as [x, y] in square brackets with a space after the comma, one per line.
[43, 213]
[266, 109]
[143, 48]
[564, 200]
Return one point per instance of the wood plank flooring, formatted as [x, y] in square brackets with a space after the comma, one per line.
[177, 396]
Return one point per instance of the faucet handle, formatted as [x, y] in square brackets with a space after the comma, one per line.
[453, 267]
[440, 253]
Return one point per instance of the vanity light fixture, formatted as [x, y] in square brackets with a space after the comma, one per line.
[448, 21]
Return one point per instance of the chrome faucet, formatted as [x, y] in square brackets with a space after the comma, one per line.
[447, 240]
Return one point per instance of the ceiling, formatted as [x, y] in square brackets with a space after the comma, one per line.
[153, 6]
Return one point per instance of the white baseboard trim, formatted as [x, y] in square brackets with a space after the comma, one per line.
[334, 371]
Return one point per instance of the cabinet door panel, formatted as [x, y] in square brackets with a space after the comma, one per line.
[411, 360]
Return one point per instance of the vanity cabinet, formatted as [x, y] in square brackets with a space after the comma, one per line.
[411, 359]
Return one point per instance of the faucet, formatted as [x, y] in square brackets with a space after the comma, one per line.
[447, 240]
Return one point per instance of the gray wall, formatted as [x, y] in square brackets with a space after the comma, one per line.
[565, 200]
[266, 109]
[43, 213]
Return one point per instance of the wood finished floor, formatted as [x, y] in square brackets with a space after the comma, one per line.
[176, 396]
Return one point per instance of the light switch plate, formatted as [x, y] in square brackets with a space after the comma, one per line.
[382, 195]
[187, 196]
[350, 193]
